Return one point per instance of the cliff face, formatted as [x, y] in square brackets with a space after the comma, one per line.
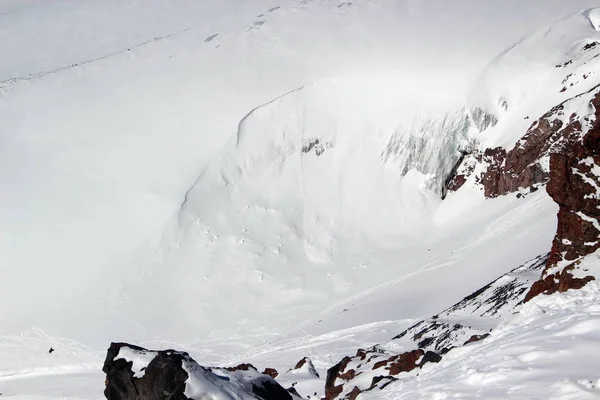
[561, 150]
[575, 186]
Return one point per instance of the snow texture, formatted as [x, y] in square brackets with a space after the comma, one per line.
[138, 203]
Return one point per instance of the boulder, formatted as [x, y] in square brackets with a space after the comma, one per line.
[135, 373]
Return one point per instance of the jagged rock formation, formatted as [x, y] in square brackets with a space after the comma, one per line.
[135, 373]
[305, 366]
[555, 133]
[371, 369]
[575, 185]
[562, 150]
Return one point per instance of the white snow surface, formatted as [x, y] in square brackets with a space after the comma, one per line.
[220, 384]
[549, 350]
[138, 203]
[139, 359]
[552, 67]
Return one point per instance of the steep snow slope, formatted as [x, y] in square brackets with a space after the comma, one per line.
[326, 242]
[138, 202]
[554, 64]
[96, 156]
[547, 351]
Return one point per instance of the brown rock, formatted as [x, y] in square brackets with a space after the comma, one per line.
[308, 362]
[404, 362]
[558, 282]
[300, 363]
[572, 186]
[333, 392]
[348, 375]
[272, 372]
[354, 393]
[361, 353]
[476, 338]
[241, 367]
[333, 373]
[380, 364]
[457, 182]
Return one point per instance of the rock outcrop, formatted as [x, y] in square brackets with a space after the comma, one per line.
[575, 186]
[557, 134]
[305, 366]
[561, 151]
[135, 373]
[370, 369]
[272, 372]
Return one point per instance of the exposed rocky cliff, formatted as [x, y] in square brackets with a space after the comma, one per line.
[575, 186]
[561, 150]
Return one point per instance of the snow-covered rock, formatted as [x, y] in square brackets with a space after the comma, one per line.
[134, 373]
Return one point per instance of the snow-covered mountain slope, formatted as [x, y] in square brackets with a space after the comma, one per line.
[97, 156]
[481, 310]
[560, 149]
[262, 181]
[554, 64]
[546, 351]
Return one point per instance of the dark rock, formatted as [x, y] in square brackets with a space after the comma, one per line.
[381, 381]
[476, 338]
[268, 389]
[165, 376]
[430, 356]
[425, 342]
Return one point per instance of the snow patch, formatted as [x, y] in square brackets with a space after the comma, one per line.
[594, 17]
[139, 358]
